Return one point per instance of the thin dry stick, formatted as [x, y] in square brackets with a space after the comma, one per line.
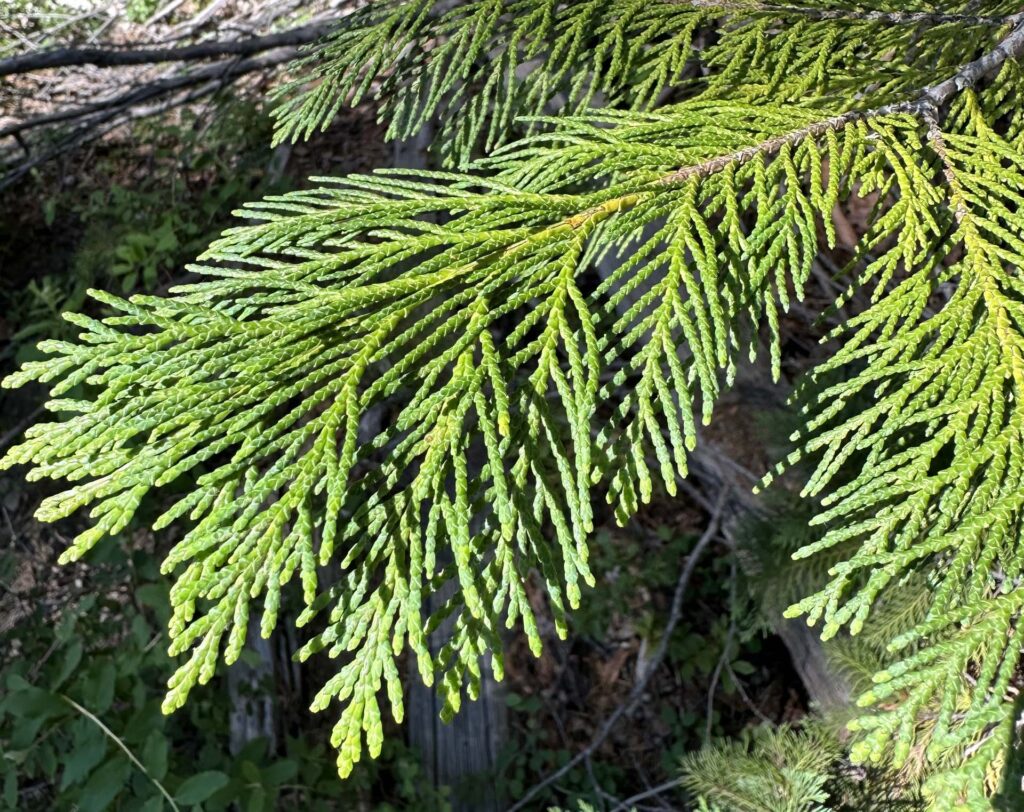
[127, 751]
[108, 57]
[853, 14]
[9, 436]
[102, 123]
[746, 697]
[675, 614]
[653, 792]
[232, 68]
[723, 661]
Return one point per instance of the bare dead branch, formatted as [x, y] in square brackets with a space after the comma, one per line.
[97, 120]
[109, 57]
[227, 69]
[856, 14]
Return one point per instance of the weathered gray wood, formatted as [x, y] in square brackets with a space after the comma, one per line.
[470, 745]
[251, 691]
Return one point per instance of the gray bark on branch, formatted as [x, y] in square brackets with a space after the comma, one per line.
[111, 57]
[96, 120]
